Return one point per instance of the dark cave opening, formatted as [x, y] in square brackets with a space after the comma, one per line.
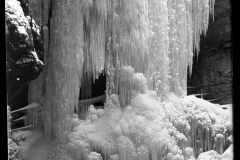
[90, 89]
[99, 88]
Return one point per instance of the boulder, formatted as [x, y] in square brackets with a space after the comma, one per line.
[24, 50]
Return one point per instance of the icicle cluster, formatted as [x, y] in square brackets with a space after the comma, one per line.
[94, 38]
[90, 56]
[154, 37]
[176, 27]
[128, 38]
[159, 67]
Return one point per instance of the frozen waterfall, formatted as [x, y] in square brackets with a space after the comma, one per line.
[145, 48]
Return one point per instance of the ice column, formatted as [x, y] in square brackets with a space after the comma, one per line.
[127, 40]
[37, 87]
[65, 62]
[159, 47]
[176, 26]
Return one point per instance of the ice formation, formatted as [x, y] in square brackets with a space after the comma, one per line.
[156, 38]
[144, 47]
[214, 155]
[149, 128]
[8, 121]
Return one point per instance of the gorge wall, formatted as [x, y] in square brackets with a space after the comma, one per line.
[212, 70]
[24, 52]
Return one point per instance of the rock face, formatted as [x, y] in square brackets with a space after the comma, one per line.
[24, 50]
[212, 71]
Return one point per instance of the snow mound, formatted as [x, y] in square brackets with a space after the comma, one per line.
[177, 128]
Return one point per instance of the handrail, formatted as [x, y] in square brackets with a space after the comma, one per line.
[199, 94]
[29, 106]
[218, 99]
[209, 85]
[21, 118]
[22, 128]
[92, 100]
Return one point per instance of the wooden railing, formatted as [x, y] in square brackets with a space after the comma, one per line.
[203, 94]
[91, 100]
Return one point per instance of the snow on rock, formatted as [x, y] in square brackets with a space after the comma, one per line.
[213, 155]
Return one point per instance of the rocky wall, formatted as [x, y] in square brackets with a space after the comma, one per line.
[212, 70]
[24, 52]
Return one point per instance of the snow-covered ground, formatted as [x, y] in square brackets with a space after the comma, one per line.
[148, 128]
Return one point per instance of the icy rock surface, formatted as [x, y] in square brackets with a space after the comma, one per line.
[213, 155]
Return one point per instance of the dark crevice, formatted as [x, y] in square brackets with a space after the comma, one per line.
[98, 88]
[49, 21]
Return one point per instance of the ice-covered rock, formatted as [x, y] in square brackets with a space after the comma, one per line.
[213, 155]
